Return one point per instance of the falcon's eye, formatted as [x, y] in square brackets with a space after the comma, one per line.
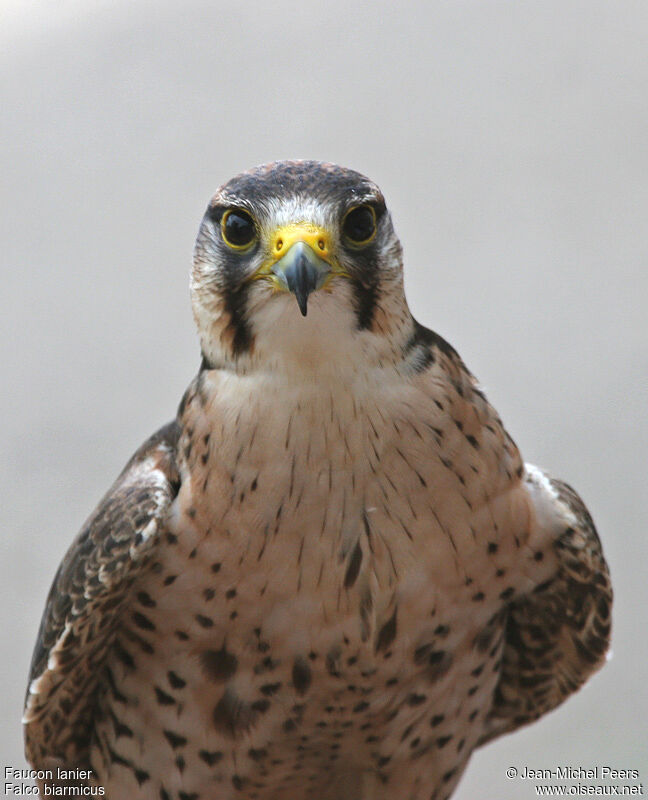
[359, 225]
[237, 229]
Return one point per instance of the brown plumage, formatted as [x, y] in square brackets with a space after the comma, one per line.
[332, 575]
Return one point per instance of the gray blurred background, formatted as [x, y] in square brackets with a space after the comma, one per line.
[511, 141]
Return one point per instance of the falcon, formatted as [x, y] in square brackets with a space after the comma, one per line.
[332, 575]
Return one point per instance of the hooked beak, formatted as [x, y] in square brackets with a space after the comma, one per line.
[301, 271]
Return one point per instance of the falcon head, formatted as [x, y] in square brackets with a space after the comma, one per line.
[297, 262]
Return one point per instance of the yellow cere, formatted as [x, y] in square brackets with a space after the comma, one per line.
[284, 237]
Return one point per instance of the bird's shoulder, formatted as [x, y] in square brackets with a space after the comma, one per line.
[89, 589]
[557, 633]
[472, 428]
[434, 362]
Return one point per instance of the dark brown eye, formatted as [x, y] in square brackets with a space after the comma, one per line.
[359, 225]
[237, 228]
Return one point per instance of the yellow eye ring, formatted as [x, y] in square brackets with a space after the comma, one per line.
[359, 225]
[237, 229]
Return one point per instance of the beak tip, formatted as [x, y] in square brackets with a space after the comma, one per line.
[301, 271]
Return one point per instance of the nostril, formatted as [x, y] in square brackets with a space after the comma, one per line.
[320, 244]
[279, 244]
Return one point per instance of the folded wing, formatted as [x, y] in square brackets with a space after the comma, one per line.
[557, 635]
[88, 594]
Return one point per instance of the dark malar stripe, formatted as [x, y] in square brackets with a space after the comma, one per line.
[365, 298]
[235, 305]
